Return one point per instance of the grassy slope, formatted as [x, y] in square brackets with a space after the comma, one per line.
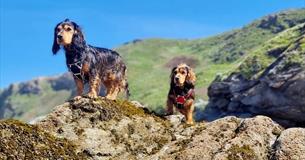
[23, 103]
[149, 75]
[255, 62]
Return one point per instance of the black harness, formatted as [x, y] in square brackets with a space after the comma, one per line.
[76, 69]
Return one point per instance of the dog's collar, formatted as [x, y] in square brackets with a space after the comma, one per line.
[76, 70]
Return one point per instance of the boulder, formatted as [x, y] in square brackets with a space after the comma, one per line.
[276, 90]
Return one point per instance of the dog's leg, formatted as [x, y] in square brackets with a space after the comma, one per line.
[189, 108]
[80, 87]
[94, 86]
[124, 87]
[115, 92]
[170, 107]
[109, 88]
[112, 90]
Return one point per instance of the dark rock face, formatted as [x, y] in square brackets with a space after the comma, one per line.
[271, 23]
[278, 92]
[62, 82]
[31, 87]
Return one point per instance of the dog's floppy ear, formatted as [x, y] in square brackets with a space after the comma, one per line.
[172, 75]
[78, 37]
[191, 77]
[55, 47]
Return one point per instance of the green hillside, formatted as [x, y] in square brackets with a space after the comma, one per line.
[149, 63]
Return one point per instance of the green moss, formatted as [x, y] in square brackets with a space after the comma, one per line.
[258, 60]
[240, 153]
[252, 66]
[22, 141]
[114, 109]
[293, 60]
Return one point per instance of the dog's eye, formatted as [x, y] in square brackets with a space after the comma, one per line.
[69, 29]
[58, 30]
[175, 72]
[182, 72]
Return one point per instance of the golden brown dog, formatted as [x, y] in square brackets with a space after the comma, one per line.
[181, 93]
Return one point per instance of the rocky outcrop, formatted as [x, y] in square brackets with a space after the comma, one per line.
[23, 141]
[278, 90]
[290, 145]
[105, 129]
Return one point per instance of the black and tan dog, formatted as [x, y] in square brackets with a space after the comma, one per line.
[181, 93]
[90, 64]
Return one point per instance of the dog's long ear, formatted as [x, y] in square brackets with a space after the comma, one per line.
[172, 76]
[55, 47]
[78, 37]
[191, 77]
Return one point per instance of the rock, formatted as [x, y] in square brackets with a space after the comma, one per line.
[271, 23]
[105, 129]
[232, 138]
[290, 144]
[222, 103]
[233, 106]
[175, 120]
[31, 87]
[277, 91]
[23, 141]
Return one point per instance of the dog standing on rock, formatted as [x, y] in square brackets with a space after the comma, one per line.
[181, 93]
[90, 64]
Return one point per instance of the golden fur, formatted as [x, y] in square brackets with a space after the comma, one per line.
[182, 84]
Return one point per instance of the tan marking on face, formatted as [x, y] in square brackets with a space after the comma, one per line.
[66, 31]
[180, 74]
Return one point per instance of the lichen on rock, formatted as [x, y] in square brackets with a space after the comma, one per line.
[22, 141]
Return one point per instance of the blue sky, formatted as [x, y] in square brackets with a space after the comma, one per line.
[26, 27]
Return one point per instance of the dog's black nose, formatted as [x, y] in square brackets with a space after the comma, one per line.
[176, 78]
[59, 36]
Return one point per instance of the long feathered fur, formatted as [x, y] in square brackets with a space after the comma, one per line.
[103, 64]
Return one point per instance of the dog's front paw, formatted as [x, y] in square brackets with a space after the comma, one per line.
[91, 95]
[191, 123]
[77, 98]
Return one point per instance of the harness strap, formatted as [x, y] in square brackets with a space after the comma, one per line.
[180, 100]
[76, 69]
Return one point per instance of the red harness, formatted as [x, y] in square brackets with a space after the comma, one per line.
[180, 100]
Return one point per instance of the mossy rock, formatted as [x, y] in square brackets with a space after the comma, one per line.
[113, 109]
[23, 141]
[241, 152]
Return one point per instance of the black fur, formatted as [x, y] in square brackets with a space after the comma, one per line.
[101, 61]
[179, 90]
